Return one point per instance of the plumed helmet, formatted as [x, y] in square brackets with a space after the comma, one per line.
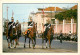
[48, 21]
[17, 21]
[12, 18]
[30, 18]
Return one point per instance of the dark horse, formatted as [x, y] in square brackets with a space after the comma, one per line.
[48, 37]
[31, 34]
[12, 37]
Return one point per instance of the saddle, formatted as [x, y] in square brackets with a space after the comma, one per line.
[27, 30]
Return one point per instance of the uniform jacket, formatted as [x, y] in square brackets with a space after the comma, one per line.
[30, 23]
[10, 25]
[47, 25]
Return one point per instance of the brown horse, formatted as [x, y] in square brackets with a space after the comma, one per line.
[12, 37]
[49, 37]
[31, 34]
[18, 27]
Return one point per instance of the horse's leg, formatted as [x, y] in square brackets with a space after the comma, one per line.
[8, 43]
[29, 43]
[32, 44]
[25, 42]
[18, 39]
[42, 43]
[15, 43]
[46, 43]
[34, 41]
[11, 42]
[49, 43]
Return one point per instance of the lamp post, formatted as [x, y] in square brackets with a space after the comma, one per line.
[7, 21]
[23, 25]
[43, 18]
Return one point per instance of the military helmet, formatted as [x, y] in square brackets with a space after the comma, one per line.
[17, 21]
[48, 21]
[30, 19]
[12, 18]
[69, 31]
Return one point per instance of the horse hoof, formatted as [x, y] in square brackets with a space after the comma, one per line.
[42, 48]
[29, 47]
[14, 47]
[24, 47]
[18, 44]
[33, 47]
[9, 47]
[50, 47]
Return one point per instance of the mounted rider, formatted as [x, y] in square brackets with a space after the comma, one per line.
[18, 26]
[11, 25]
[17, 22]
[47, 27]
[30, 25]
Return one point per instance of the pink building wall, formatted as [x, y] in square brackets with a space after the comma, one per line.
[67, 28]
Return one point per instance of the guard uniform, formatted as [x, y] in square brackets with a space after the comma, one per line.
[10, 26]
[47, 28]
[30, 24]
[18, 26]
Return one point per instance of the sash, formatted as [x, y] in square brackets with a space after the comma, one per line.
[10, 25]
[48, 26]
[31, 24]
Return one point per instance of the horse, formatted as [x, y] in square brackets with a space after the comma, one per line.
[31, 34]
[18, 27]
[48, 37]
[12, 37]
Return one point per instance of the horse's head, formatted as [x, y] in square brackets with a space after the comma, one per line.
[34, 27]
[14, 28]
[13, 31]
[51, 29]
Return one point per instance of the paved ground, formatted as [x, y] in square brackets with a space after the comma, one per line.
[66, 46]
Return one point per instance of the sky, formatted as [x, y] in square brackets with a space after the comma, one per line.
[22, 11]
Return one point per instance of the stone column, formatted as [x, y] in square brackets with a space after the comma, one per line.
[72, 21]
[63, 25]
[56, 24]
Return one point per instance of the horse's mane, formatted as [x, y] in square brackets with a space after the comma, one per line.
[33, 30]
[51, 29]
[34, 26]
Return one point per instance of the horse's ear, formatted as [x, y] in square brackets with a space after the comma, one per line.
[52, 25]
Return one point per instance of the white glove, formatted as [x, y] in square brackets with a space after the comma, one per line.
[13, 26]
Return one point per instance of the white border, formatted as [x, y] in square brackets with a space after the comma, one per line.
[39, 1]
